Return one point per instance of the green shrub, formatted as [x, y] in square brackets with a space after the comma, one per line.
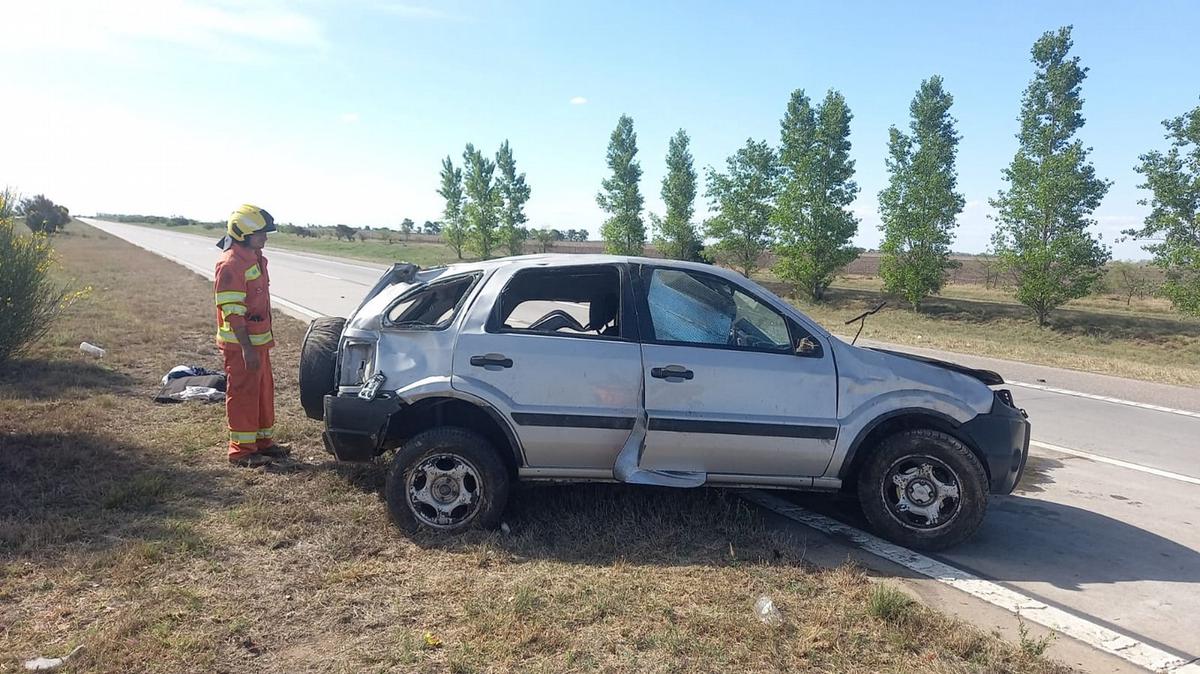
[43, 215]
[888, 603]
[29, 298]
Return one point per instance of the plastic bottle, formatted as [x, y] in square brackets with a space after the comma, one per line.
[765, 609]
[91, 349]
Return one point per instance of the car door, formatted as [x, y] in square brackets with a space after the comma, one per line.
[554, 348]
[733, 388]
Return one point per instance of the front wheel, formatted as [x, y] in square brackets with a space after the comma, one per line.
[923, 489]
[448, 480]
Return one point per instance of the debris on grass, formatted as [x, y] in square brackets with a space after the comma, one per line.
[50, 664]
[765, 609]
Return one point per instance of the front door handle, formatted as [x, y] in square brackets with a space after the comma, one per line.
[671, 373]
[492, 361]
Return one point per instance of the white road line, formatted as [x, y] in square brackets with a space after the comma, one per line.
[1116, 462]
[1100, 637]
[327, 276]
[297, 310]
[304, 311]
[1107, 399]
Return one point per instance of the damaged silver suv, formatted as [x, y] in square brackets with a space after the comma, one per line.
[573, 368]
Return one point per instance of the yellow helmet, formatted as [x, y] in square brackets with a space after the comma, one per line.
[245, 220]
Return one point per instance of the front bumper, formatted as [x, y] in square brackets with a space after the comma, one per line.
[1002, 437]
[355, 428]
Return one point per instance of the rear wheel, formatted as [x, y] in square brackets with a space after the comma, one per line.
[923, 489]
[318, 363]
[447, 479]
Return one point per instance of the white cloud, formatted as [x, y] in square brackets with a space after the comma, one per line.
[578, 100]
[412, 11]
[349, 118]
[224, 29]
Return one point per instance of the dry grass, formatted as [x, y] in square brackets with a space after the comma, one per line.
[122, 529]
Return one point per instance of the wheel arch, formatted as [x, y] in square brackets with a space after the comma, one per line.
[895, 421]
[435, 411]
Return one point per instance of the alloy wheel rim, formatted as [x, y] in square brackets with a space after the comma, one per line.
[922, 492]
[444, 491]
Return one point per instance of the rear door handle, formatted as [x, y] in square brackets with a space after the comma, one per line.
[492, 361]
[671, 372]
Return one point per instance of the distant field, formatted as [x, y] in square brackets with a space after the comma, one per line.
[1096, 334]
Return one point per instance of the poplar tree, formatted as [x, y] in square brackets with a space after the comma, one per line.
[920, 206]
[1174, 182]
[624, 232]
[483, 202]
[514, 192]
[812, 217]
[453, 232]
[675, 235]
[1043, 217]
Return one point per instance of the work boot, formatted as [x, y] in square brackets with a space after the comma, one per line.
[255, 460]
[276, 451]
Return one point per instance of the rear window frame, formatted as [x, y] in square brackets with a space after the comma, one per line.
[627, 319]
[385, 317]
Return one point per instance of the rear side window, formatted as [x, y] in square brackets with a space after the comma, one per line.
[563, 301]
[431, 307]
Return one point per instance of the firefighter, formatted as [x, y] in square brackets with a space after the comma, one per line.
[243, 299]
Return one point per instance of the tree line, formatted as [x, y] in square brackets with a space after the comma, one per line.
[792, 200]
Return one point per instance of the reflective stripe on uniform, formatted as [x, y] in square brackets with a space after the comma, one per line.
[253, 273]
[255, 339]
[242, 437]
[227, 296]
[232, 308]
[265, 433]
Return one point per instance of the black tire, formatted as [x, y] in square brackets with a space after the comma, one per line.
[318, 364]
[927, 461]
[443, 449]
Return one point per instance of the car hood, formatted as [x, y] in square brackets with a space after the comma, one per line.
[874, 379]
[986, 376]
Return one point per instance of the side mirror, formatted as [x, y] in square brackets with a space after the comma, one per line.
[803, 344]
[807, 346]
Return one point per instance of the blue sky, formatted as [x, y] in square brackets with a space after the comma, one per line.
[329, 112]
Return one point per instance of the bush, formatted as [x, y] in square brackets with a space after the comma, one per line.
[29, 299]
[43, 215]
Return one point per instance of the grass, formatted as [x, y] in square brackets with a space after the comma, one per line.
[1095, 334]
[123, 529]
[889, 603]
[1032, 646]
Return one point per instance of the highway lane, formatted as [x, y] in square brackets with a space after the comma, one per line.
[1112, 543]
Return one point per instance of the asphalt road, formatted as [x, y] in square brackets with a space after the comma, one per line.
[1108, 528]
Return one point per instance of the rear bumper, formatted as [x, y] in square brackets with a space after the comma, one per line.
[354, 428]
[1002, 437]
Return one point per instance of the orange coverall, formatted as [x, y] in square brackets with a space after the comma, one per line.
[243, 297]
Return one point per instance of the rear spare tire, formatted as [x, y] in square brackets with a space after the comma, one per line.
[318, 364]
